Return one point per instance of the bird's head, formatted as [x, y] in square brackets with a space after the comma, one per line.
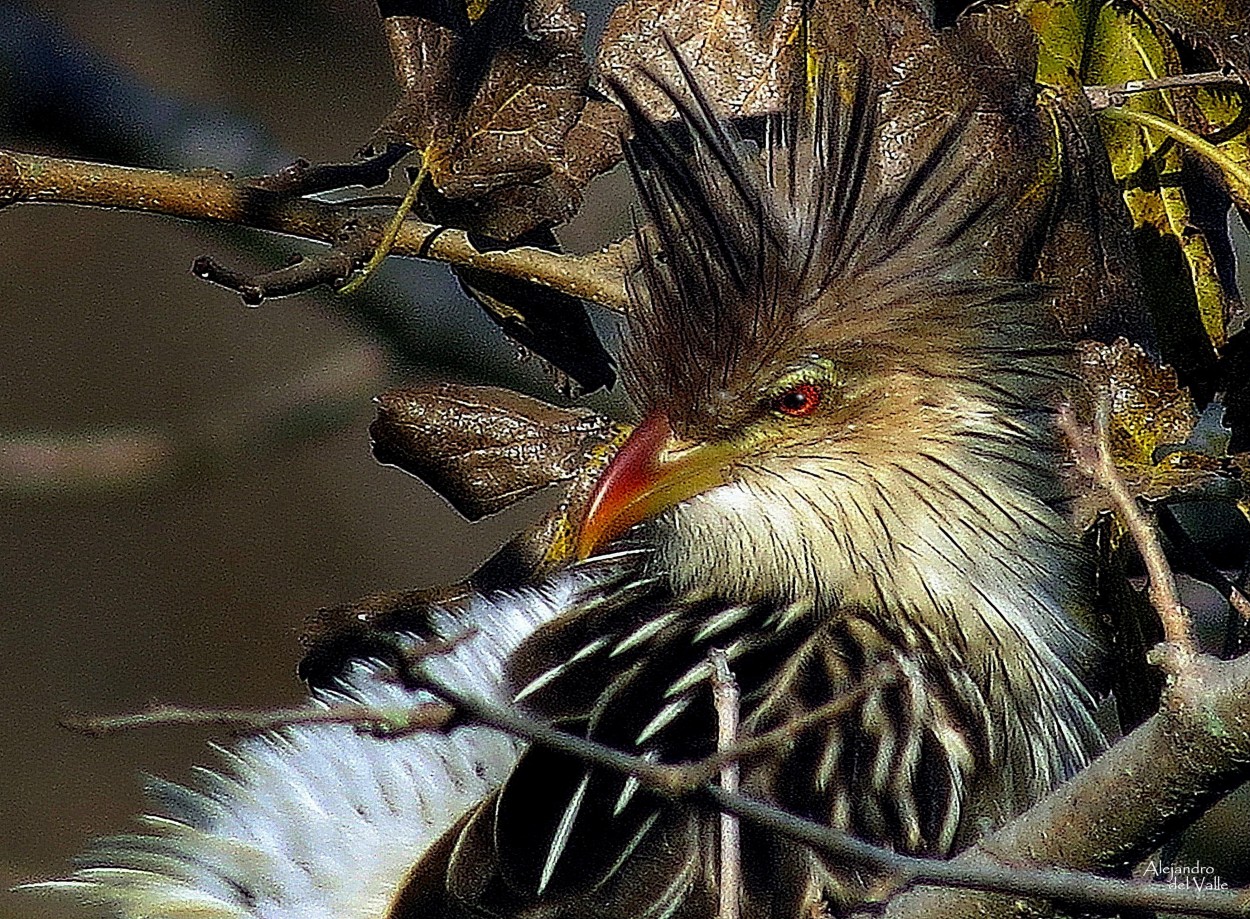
[839, 398]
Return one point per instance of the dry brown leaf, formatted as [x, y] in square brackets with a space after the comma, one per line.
[1088, 257]
[1221, 27]
[424, 56]
[496, 104]
[483, 448]
[499, 111]
[737, 56]
[529, 98]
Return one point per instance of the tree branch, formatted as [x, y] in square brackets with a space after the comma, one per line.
[389, 721]
[1143, 790]
[208, 195]
[384, 722]
[1097, 461]
[746, 748]
[304, 178]
[1146, 788]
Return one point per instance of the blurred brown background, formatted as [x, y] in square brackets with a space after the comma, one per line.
[183, 479]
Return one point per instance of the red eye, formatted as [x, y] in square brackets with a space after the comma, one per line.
[799, 401]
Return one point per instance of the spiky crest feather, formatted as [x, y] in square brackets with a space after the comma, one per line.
[753, 259]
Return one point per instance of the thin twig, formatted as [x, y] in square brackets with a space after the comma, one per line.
[1116, 94]
[752, 746]
[726, 700]
[1098, 462]
[304, 178]
[331, 268]
[213, 196]
[385, 722]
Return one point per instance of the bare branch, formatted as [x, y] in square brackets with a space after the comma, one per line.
[1205, 765]
[1096, 461]
[331, 268]
[384, 722]
[304, 178]
[749, 747]
[213, 196]
[1111, 816]
[1116, 94]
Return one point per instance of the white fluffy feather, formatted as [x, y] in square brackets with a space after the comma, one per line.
[320, 821]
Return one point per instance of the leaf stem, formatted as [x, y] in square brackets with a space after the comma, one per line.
[1238, 176]
[391, 233]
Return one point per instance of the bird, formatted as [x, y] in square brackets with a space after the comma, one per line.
[845, 478]
[846, 462]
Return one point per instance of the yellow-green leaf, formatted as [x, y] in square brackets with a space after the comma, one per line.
[1152, 420]
[1227, 119]
[1146, 160]
[1061, 27]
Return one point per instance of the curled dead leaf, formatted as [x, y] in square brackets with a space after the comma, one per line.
[484, 448]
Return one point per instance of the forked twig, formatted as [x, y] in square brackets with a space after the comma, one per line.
[1096, 460]
[214, 196]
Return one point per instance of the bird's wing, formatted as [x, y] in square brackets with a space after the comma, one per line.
[628, 666]
[321, 821]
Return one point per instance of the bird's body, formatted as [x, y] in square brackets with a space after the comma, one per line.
[846, 478]
[846, 466]
[927, 759]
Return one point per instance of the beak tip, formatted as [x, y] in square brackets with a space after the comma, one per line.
[590, 535]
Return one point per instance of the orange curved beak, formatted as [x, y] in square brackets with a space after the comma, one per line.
[652, 472]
